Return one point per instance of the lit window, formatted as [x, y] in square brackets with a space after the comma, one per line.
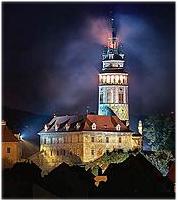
[108, 79]
[92, 152]
[92, 139]
[121, 79]
[93, 126]
[67, 126]
[101, 79]
[107, 139]
[77, 126]
[8, 149]
[104, 79]
[56, 127]
[120, 140]
[118, 127]
[112, 79]
[46, 127]
[117, 79]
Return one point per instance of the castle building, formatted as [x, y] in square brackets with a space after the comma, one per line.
[11, 146]
[87, 137]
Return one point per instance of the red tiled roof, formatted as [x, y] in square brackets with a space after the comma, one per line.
[103, 123]
[7, 135]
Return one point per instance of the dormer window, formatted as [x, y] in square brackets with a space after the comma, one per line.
[118, 127]
[56, 127]
[46, 127]
[77, 126]
[93, 127]
[67, 126]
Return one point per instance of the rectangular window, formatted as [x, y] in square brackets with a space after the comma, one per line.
[8, 149]
[107, 139]
[92, 139]
[120, 140]
[57, 152]
[92, 152]
[51, 153]
[121, 98]
[51, 140]
[44, 140]
[101, 97]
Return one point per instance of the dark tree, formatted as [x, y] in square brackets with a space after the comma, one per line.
[159, 131]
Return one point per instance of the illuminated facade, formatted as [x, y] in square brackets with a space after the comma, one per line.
[85, 137]
[113, 81]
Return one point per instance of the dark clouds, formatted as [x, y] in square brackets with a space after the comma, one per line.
[52, 55]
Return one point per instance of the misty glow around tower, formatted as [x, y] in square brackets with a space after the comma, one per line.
[113, 80]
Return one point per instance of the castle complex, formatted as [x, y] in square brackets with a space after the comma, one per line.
[87, 137]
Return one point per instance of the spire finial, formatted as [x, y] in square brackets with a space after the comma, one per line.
[113, 26]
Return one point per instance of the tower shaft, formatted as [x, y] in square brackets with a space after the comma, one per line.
[113, 80]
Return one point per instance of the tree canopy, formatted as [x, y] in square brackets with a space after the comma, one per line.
[159, 132]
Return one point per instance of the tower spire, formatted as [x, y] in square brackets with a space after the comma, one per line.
[112, 40]
[113, 25]
[114, 29]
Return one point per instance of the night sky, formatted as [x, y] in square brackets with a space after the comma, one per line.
[52, 55]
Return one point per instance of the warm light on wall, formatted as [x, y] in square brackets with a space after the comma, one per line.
[113, 79]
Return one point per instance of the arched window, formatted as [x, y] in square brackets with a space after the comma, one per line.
[93, 127]
[56, 127]
[77, 125]
[46, 127]
[118, 127]
[67, 126]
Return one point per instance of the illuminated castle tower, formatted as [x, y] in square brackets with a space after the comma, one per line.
[113, 80]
